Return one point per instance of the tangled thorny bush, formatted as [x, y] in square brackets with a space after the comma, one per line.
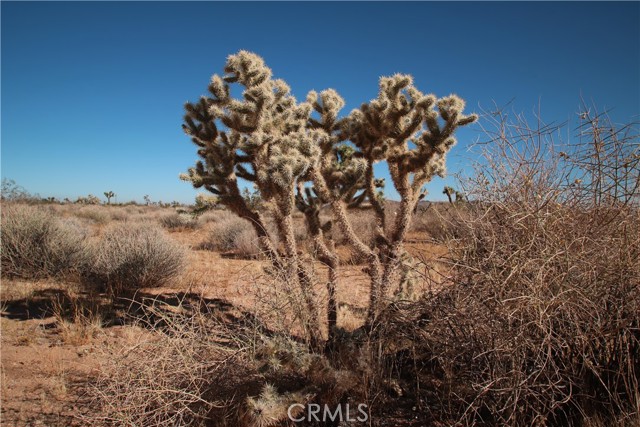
[440, 221]
[161, 374]
[541, 323]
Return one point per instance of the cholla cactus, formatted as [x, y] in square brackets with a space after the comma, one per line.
[401, 126]
[303, 155]
[206, 200]
[89, 200]
[265, 142]
[271, 408]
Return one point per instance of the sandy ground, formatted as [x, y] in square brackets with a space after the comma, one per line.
[46, 363]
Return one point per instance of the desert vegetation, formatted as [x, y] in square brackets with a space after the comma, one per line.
[296, 156]
[293, 281]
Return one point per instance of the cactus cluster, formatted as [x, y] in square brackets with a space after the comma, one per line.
[89, 200]
[305, 156]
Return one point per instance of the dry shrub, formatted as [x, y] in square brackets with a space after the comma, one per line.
[280, 304]
[440, 221]
[246, 244]
[119, 213]
[133, 256]
[541, 325]
[176, 222]
[97, 214]
[35, 244]
[151, 213]
[232, 234]
[211, 215]
[132, 209]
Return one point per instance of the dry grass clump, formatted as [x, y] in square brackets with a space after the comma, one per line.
[209, 216]
[203, 362]
[35, 244]
[129, 257]
[245, 244]
[177, 222]
[541, 325]
[79, 320]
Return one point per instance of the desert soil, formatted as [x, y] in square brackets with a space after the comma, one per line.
[46, 363]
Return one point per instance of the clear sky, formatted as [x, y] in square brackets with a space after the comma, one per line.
[93, 92]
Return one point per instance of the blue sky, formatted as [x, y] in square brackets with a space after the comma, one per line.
[92, 93]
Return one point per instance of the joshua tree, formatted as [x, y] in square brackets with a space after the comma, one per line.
[147, 199]
[109, 195]
[301, 155]
[252, 198]
[449, 191]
